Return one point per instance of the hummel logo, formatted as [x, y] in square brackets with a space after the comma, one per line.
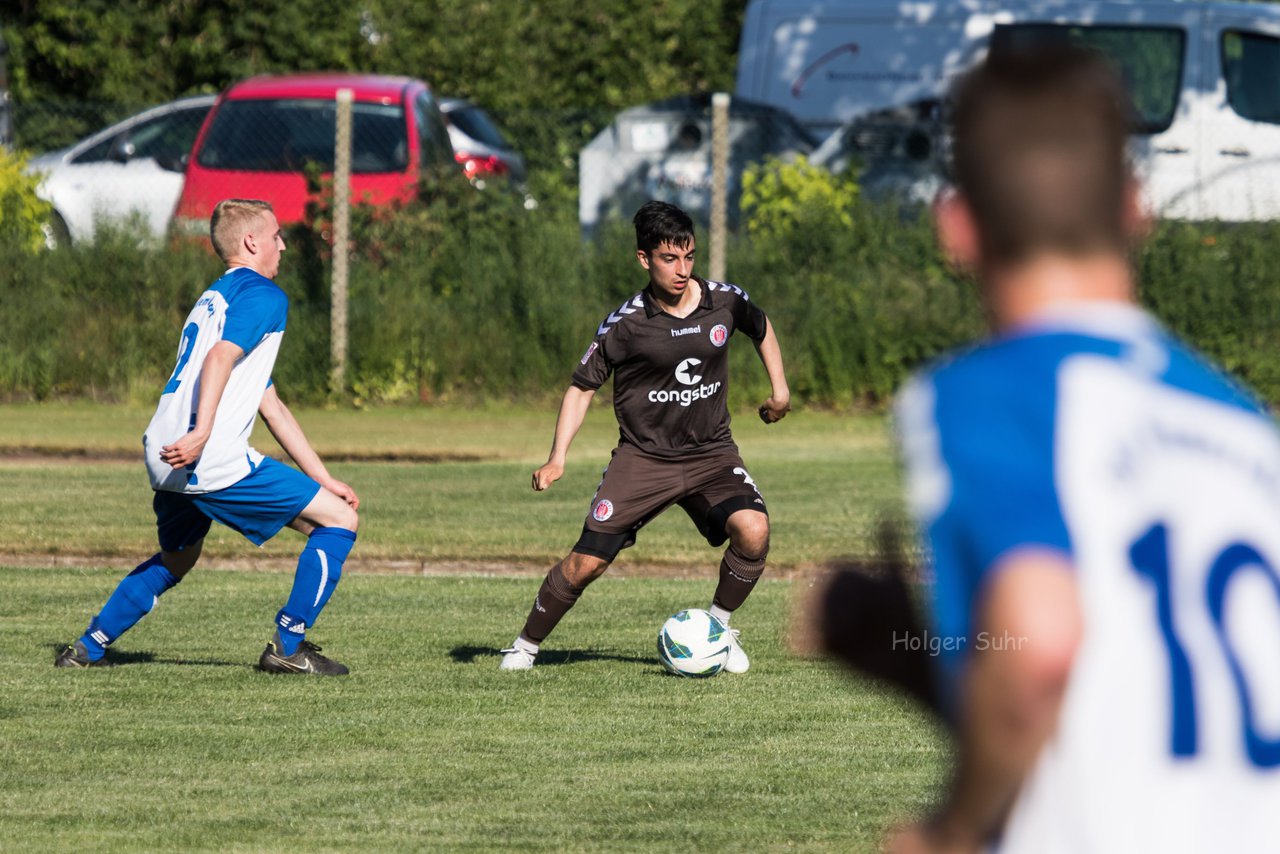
[689, 330]
[627, 308]
[721, 286]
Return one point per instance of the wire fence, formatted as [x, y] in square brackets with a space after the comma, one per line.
[112, 161]
[135, 163]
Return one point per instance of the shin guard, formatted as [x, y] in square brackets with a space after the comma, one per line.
[738, 576]
[134, 597]
[556, 596]
[318, 573]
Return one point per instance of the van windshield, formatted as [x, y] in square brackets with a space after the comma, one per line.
[282, 135]
[1149, 60]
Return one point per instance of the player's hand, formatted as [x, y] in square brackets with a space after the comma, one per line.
[185, 451]
[547, 475]
[774, 409]
[344, 492]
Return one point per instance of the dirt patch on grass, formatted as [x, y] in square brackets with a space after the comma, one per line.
[395, 566]
[46, 455]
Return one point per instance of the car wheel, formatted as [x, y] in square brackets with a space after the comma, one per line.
[56, 233]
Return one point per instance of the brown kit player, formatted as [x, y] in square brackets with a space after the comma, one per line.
[667, 350]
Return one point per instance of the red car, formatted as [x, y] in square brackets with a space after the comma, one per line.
[262, 133]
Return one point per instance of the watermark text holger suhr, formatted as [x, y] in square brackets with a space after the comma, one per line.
[938, 644]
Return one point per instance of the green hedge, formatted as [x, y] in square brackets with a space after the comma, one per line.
[470, 296]
[554, 72]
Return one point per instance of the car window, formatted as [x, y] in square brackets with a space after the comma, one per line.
[475, 123]
[1251, 67]
[169, 137]
[1149, 60]
[433, 136]
[283, 135]
[99, 151]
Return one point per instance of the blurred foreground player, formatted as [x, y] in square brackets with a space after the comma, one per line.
[202, 468]
[1101, 508]
[666, 348]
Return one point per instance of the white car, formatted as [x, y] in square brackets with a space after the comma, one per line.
[133, 167]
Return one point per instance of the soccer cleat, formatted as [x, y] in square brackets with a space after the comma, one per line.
[738, 661]
[306, 660]
[75, 655]
[516, 658]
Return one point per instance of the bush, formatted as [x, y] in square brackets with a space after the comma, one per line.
[99, 322]
[23, 214]
[783, 202]
[1215, 284]
[857, 292]
[465, 295]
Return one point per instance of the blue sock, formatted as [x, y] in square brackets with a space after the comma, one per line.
[319, 568]
[134, 597]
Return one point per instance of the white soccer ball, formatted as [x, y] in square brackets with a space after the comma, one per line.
[693, 643]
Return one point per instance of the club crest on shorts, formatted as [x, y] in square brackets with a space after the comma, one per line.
[719, 334]
[603, 510]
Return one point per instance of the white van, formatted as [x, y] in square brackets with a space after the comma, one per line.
[1205, 77]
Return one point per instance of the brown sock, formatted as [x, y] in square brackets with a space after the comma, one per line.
[555, 598]
[738, 575]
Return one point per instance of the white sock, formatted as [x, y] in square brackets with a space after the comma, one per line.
[525, 645]
[720, 613]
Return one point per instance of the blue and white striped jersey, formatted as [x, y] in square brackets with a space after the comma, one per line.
[1101, 436]
[248, 310]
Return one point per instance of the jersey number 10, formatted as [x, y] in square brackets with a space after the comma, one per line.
[1150, 557]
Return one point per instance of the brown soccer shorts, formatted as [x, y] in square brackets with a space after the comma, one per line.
[637, 487]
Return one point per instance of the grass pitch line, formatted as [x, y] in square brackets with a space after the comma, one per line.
[411, 567]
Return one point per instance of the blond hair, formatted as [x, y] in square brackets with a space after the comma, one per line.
[232, 219]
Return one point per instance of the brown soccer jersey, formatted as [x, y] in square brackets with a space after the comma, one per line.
[670, 373]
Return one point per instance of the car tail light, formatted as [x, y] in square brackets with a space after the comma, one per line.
[474, 165]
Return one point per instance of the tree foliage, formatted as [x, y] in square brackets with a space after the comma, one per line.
[508, 54]
[552, 71]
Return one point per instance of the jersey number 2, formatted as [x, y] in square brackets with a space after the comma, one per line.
[188, 344]
[1150, 557]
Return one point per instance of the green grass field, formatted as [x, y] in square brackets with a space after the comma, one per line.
[426, 745]
[827, 479]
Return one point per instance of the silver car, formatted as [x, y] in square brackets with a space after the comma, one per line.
[133, 167]
[478, 145]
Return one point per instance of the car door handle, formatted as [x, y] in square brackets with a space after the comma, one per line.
[1172, 149]
[1234, 152]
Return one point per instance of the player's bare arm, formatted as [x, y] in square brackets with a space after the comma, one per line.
[779, 403]
[573, 409]
[288, 432]
[1012, 694]
[213, 381]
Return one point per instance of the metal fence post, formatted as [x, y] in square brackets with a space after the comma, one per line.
[719, 182]
[341, 246]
